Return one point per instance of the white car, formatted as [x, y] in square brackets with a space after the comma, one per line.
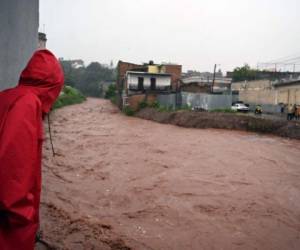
[240, 107]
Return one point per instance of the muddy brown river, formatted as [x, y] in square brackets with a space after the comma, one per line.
[125, 183]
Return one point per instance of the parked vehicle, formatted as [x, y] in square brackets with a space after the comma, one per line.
[240, 107]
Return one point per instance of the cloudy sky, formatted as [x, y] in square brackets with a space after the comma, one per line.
[194, 33]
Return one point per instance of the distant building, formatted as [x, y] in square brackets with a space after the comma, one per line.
[77, 63]
[194, 73]
[42, 40]
[270, 75]
[206, 84]
[136, 82]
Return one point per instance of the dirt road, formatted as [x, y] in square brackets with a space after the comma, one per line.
[127, 183]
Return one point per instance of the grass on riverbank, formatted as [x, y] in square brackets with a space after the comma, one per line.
[69, 96]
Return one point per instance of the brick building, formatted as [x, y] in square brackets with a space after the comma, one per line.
[138, 82]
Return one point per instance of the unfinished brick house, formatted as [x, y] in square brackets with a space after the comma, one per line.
[137, 83]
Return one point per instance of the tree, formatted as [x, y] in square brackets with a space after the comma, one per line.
[244, 73]
[111, 91]
[88, 79]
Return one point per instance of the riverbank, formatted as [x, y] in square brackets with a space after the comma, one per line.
[220, 120]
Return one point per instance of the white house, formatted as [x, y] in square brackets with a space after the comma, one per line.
[143, 81]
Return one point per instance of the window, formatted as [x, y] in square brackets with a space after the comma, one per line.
[153, 83]
[141, 83]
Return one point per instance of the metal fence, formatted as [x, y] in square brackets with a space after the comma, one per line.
[198, 100]
[206, 101]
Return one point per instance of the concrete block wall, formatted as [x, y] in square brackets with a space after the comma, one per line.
[289, 95]
[19, 21]
[258, 96]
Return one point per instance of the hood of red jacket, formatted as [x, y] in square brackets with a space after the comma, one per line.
[44, 76]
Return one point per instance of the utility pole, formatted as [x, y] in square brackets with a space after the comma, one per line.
[214, 77]
[294, 69]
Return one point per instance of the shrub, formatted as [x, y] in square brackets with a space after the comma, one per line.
[165, 109]
[114, 100]
[143, 104]
[128, 111]
[68, 96]
[155, 105]
[111, 91]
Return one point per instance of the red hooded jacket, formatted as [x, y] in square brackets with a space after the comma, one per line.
[21, 133]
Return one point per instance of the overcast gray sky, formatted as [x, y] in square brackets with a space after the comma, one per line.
[194, 33]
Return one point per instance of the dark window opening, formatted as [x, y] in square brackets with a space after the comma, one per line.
[141, 83]
[153, 83]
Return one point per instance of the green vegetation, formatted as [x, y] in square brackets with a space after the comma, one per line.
[166, 109]
[89, 80]
[244, 73]
[68, 96]
[128, 111]
[154, 105]
[111, 91]
[143, 104]
[161, 108]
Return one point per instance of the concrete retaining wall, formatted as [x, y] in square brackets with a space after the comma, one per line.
[19, 21]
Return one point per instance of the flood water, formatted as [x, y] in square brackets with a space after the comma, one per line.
[124, 183]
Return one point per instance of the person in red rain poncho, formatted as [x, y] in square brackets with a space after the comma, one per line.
[21, 133]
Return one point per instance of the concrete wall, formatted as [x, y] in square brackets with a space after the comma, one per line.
[259, 92]
[251, 85]
[206, 101]
[258, 96]
[263, 92]
[19, 21]
[288, 94]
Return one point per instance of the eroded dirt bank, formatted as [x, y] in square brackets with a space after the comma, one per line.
[220, 120]
[126, 183]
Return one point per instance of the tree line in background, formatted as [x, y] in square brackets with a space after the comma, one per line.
[246, 73]
[92, 80]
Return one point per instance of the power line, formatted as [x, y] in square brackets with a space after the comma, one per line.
[296, 55]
